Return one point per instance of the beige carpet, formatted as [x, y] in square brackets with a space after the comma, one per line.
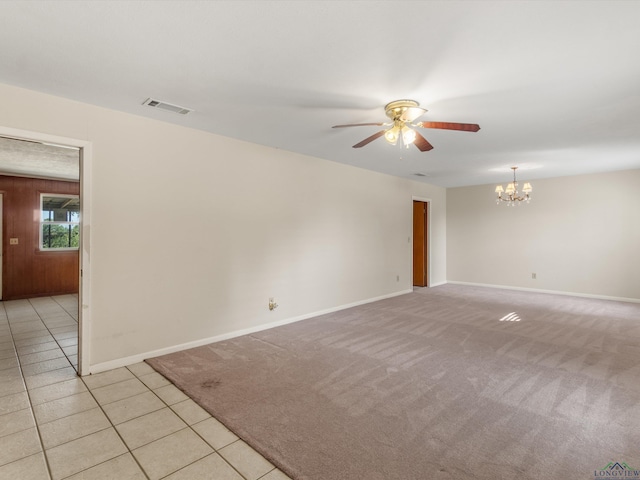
[451, 382]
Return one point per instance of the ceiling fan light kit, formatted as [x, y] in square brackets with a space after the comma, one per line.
[512, 195]
[402, 114]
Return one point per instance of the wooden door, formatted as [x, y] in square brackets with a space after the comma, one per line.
[420, 257]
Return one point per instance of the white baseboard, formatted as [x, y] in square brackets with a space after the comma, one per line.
[123, 362]
[553, 292]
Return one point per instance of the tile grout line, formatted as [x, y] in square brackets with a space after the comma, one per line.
[129, 450]
[114, 429]
[27, 390]
[188, 426]
[67, 311]
[44, 454]
[191, 427]
[52, 335]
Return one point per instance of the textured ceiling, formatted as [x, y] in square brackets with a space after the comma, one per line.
[32, 159]
[555, 86]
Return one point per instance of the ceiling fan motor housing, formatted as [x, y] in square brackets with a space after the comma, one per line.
[403, 110]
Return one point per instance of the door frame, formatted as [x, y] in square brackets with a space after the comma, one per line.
[1, 242]
[84, 273]
[428, 237]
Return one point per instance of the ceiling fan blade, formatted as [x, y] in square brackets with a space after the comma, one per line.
[357, 125]
[422, 143]
[411, 113]
[369, 139]
[465, 127]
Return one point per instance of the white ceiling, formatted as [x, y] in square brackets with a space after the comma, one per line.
[555, 86]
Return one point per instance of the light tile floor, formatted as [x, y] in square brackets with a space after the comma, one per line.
[126, 424]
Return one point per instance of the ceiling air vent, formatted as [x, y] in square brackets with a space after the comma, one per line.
[167, 106]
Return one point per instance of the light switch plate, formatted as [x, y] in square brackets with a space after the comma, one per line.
[13, 241]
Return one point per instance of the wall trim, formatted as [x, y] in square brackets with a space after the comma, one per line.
[552, 292]
[123, 362]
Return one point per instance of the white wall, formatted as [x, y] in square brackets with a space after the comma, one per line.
[191, 233]
[579, 234]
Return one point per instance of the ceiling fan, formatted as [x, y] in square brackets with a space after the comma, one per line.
[402, 114]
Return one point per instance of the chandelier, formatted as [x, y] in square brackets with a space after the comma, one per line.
[511, 192]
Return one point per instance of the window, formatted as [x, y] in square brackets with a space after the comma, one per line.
[59, 222]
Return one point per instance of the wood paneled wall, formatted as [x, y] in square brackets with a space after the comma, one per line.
[27, 271]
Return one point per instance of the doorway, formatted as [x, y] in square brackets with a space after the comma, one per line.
[83, 153]
[420, 243]
[1, 244]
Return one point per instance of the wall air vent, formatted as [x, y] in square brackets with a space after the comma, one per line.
[166, 106]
